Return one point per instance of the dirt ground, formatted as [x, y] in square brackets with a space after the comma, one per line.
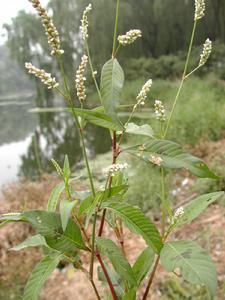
[67, 284]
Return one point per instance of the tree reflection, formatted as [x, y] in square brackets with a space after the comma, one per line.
[55, 136]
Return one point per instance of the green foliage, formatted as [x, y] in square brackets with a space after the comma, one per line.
[170, 66]
[130, 295]
[144, 186]
[143, 265]
[49, 225]
[115, 278]
[112, 81]
[176, 289]
[54, 197]
[33, 241]
[66, 208]
[145, 129]
[95, 116]
[173, 157]
[138, 223]
[101, 196]
[194, 263]
[66, 169]
[12, 217]
[118, 260]
[195, 207]
[39, 275]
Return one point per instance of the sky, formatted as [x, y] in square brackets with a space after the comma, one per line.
[10, 8]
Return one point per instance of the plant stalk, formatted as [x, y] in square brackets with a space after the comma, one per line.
[182, 81]
[91, 271]
[151, 278]
[116, 28]
[95, 289]
[92, 71]
[70, 102]
[107, 276]
[114, 158]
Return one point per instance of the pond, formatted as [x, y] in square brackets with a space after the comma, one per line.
[28, 141]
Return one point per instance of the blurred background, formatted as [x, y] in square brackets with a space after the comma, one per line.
[29, 140]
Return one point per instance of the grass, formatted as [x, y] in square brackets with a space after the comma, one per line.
[200, 110]
[200, 113]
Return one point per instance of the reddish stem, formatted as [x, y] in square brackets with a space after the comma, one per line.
[151, 279]
[102, 223]
[107, 276]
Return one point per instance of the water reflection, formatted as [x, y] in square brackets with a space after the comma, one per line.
[41, 137]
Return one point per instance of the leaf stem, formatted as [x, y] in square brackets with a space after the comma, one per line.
[116, 28]
[95, 289]
[114, 158]
[91, 270]
[189, 74]
[151, 279]
[92, 71]
[163, 195]
[182, 81]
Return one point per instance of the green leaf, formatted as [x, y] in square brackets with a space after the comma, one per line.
[98, 118]
[93, 116]
[57, 167]
[140, 130]
[194, 263]
[39, 275]
[2, 224]
[117, 258]
[195, 207]
[54, 197]
[143, 264]
[104, 195]
[32, 241]
[130, 295]
[66, 169]
[116, 280]
[66, 208]
[112, 81]
[173, 157]
[11, 217]
[49, 225]
[138, 223]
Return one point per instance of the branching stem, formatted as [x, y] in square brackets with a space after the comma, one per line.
[182, 81]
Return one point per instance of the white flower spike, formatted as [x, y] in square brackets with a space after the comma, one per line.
[84, 22]
[80, 79]
[115, 168]
[160, 111]
[45, 77]
[50, 29]
[156, 160]
[142, 96]
[130, 37]
[207, 49]
[199, 9]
